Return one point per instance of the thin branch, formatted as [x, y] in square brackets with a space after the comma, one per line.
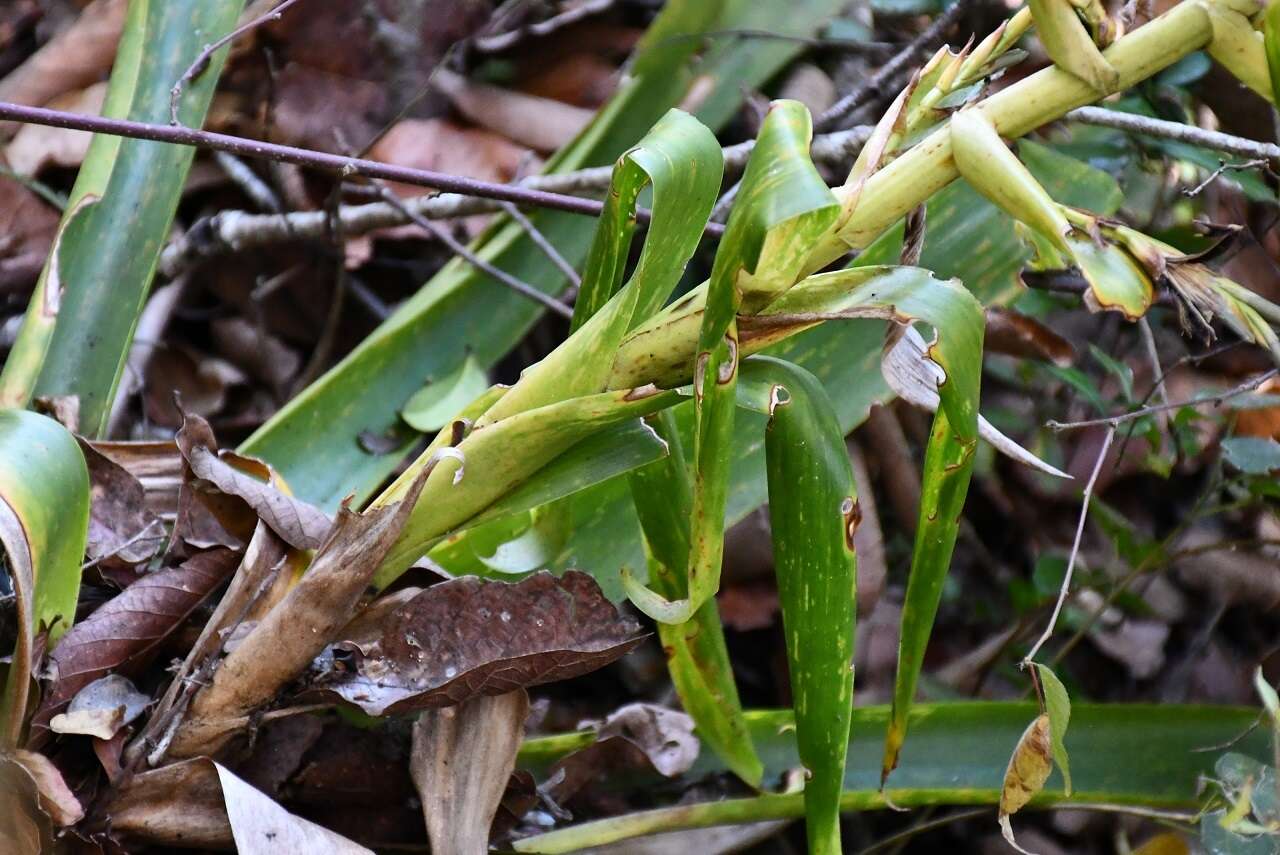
[234, 231]
[202, 61]
[502, 41]
[1175, 131]
[248, 181]
[1075, 548]
[888, 72]
[443, 235]
[1215, 400]
[1223, 166]
[540, 241]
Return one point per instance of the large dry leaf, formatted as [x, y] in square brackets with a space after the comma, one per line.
[101, 708]
[462, 758]
[471, 636]
[73, 59]
[539, 123]
[122, 529]
[23, 826]
[53, 797]
[127, 628]
[199, 803]
[298, 523]
[289, 637]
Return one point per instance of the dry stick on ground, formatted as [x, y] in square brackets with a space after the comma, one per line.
[233, 231]
[455, 246]
[202, 61]
[1215, 400]
[502, 41]
[888, 72]
[1075, 549]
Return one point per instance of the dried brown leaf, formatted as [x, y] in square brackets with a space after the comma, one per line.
[539, 123]
[23, 826]
[471, 636]
[101, 708]
[1029, 768]
[122, 529]
[298, 523]
[1016, 334]
[128, 627]
[55, 798]
[35, 147]
[462, 758]
[290, 636]
[157, 465]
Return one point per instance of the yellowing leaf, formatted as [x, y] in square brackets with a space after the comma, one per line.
[1057, 705]
[1029, 768]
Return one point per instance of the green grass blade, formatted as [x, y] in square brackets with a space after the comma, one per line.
[22, 366]
[313, 440]
[697, 657]
[44, 520]
[783, 205]
[1139, 755]
[104, 264]
[948, 464]
[813, 509]
[1271, 40]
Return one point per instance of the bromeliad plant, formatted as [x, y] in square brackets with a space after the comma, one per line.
[648, 391]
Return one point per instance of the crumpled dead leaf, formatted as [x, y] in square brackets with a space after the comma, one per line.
[54, 798]
[539, 123]
[472, 636]
[1029, 768]
[126, 628]
[915, 378]
[200, 803]
[298, 523]
[122, 529]
[101, 708]
[462, 758]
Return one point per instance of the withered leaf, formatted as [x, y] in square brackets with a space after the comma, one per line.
[157, 465]
[472, 636]
[1016, 334]
[53, 796]
[127, 627]
[121, 526]
[101, 708]
[1029, 768]
[298, 523]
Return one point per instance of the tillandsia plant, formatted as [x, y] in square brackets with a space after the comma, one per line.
[648, 394]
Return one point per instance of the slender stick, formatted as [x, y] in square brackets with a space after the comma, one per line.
[891, 69]
[1075, 547]
[443, 235]
[202, 61]
[540, 241]
[1174, 131]
[1215, 400]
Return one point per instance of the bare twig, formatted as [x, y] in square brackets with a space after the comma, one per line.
[1223, 166]
[502, 41]
[258, 191]
[233, 231]
[1075, 548]
[1175, 131]
[1214, 400]
[541, 242]
[202, 61]
[443, 235]
[888, 72]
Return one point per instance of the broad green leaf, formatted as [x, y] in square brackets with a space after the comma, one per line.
[106, 266]
[1252, 455]
[44, 520]
[313, 441]
[783, 206]
[697, 657]
[1144, 755]
[948, 465]
[435, 404]
[1057, 704]
[682, 161]
[498, 459]
[813, 509]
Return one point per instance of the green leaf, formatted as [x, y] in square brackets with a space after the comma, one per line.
[495, 461]
[948, 465]
[1145, 755]
[105, 267]
[313, 441]
[697, 657]
[435, 404]
[782, 209]
[813, 508]
[44, 520]
[1252, 455]
[1271, 39]
[1057, 704]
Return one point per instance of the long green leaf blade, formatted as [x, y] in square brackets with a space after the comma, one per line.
[44, 520]
[813, 509]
